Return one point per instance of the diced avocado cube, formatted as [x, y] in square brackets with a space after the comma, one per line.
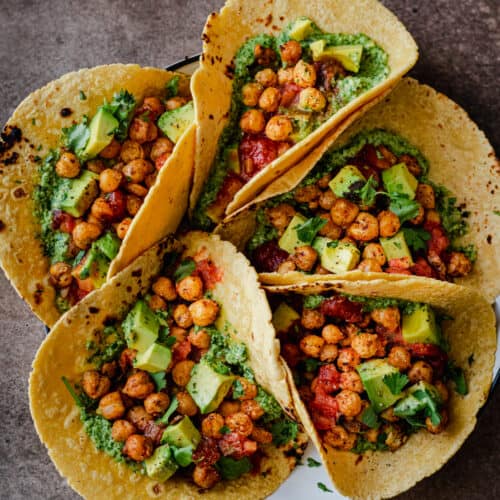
[141, 327]
[396, 247]
[93, 266]
[302, 126]
[420, 326]
[182, 434]
[284, 317]
[301, 29]
[346, 177]
[232, 158]
[76, 195]
[109, 245]
[101, 130]
[155, 358]
[348, 55]
[174, 123]
[372, 375]
[207, 387]
[337, 259]
[290, 239]
[398, 179]
[160, 466]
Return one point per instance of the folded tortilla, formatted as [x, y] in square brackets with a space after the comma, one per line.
[34, 129]
[471, 335]
[239, 20]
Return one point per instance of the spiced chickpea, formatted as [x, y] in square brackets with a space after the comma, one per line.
[364, 227]
[122, 227]
[136, 189]
[411, 163]
[142, 131]
[101, 210]
[134, 204]
[127, 358]
[111, 406]
[349, 403]
[365, 344]
[60, 274]
[94, 384]
[181, 372]
[400, 358]
[110, 180]
[138, 447]
[432, 216]
[388, 415]
[327, 200]
[372, 435]
[388, 317]
[286, 267]
[261, 436]
[179, 334]
[395, 436]
[348, 359]
[154, 105]
[247, 389]
[175, 102]
[205, 477]
[305, 257]
[156, 404]
[136, 170]
[253, 121]
[204, 312]
[157, 303]
[182, 316]
[139, 417]
[121, 430]
[165, 288]
[420, 370]
[96, 165]
[84, 233]
[280, 216]
[139, 385]
[304, 74]
[312, 99]
[112, 150]
[229, 407]
[306, 194]
[211, 425]
[110, 369]
[190, 288]
[351, 381]
[251, 93]
[425, 196]
[252, 408]
[419, 218]
[240, 423]
[459, 264]
[187, 406]
[150, 179]
[285, 75]
[199, 338]
[270, 99]
[68, 165]
[369, 266]
[438, 428]
[376, 252]
[311, 345]
[266, 77]
[388, 223]
[131, 150]
[329, 353]
[312, 318]
[343, 212]
[338, 437]
[161, 146]
[332, 334]
[330, 230]
[279, 128]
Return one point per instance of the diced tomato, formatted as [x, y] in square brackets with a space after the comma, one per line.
[328, 378]
[322, 423]
[291, 354]
[127, 358]
[422, 268]
[118, 204]
[397, 270]
[375, 159]
[206, 453]
[260, 150]
[343, 308]
[181, 350]
[154, 431]
[324, 404]
[209, 273]
[289, 94]
[236, 446]
[63, 221]
[268, 257]
[368, 172]
[431, 353]
[438, 241]
[160, 161]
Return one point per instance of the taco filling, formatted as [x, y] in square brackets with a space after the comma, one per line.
[171, 392]
[90, 188]
[368, 206]
[284, 88]
[371, 372]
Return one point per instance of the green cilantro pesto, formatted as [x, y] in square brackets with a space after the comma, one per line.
[373, 70]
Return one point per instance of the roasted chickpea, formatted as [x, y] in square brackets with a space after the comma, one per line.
[306, 194]
[304, 74]
[280, 216]
[253, 121]
[348, 359]
[131, 150]
[400, 358]
[139, 417]
[156, 404]
[161, 146]
[127, 358]
[112, 150]
[136, 170]
[204, 312]
[251, 408]
[251, 93]
[187, 406]
[248, 390]
[190, 288]
[240, 423]
[261, 436]
[182, 316]
[436, 429]
[165, 288]
[389, 318]
[142, 131]
[376, 252]
[349, 403]
[425, 196]
[343, 212]
[372, 435]
[338, 437]
[229, 408]
[94, 384]
[388, 223]
[122, 227]
[278, 128]
[205, 477]
[121, 430]
[134, 204]
[395, 436]
[139, 385]
[266, 77]
[180, 334]
[327, 200]
[365, 344]
[432, 216]
[419, 218]
[443, 390]
[312, 318]
[351, 381]
[175, 102]
[101, 210]
[304, 257]
[285, 75]
[270, 99]
[312, 99]
[329, 353]
[369, 266]
[211, 425]
[68, 165]
[110, 180]
[60, 274]
[157, 303]
[110, 369]
[290, 52]
[459, 264]
[138, 190]
[181, 372]
[153, 105]
[138, 447]
[150, 180]
[332, 334]
[111, 406]
[311, 345]
[199, 338]
[84, 233]
[286, 267]
[96, 165]
[420, 370]
[330, 230]
[364, 227]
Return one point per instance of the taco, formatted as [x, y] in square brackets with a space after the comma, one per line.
[274, 85]
[389, 376]
[88, 162]
[166, 382]
[384, 199]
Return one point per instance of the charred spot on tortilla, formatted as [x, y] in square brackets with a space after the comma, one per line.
[19, 193]
[10, 159]
[65, 112]
[10, 135]
[2, 225]
[93, 310]
[137, 273]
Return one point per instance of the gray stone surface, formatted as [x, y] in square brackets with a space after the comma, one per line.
[40, 40]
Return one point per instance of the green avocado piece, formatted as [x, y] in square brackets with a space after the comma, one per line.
[109, 245]
[372, 375]
[398, 179]
[141, 327]
[155, 358]
[302, 126]
[207, 387]
[182, 434]
[420, 326]
[337, 259]
[160, 466]
[101, 129]
[76, 195]
[94, 266]
[290, 239]
[301, 29]
[232, 158]
[346, 177]
[348, 55]
[174, 123]
[284, 317]
[395, 247]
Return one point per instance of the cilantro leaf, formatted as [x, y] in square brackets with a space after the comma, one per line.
[313, 463]
[308, 230]
[170, 411]
[310, 365]
[456, 375]
[159, 380]
[76, 137]
[83, 97]
[238, 390]
[229, 468]
[185, 268]
[172, 87]
[225, 430]
[324, 488]
[496, 212]
[370, 418]
[183, 456]
[403, 207]
[121, 107]
[368, 193]
[313, 301]
[284, 431]
[363, 445]
[395, 382]
[431, 406]
[416, 237]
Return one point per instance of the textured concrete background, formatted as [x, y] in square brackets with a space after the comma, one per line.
[40, 40]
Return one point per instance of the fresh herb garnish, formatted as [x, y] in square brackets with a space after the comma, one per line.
[159, 380]
[170, 411]
[431, 405]
[370, 418]
[457, 376]
[83, 97]
[416, 237]
[172, 87]
[324, 488]
[77, 136]
[229, 468]
[121, 107]
[403, 206]
[496, 212]
[225, 430]
[284, 431]
[238, 389]
[313, 301]
[313, 463]
[368, 193]
[185, 268]
[308, 230]
[395, 382]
